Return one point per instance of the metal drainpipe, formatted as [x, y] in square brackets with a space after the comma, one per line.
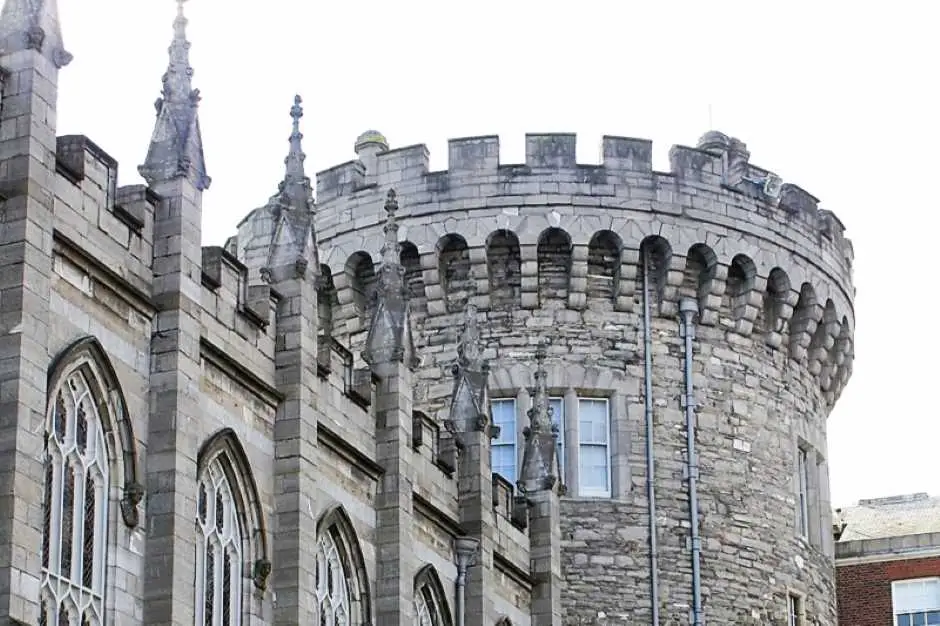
[650, 461]
[466, 549]
[688, 308]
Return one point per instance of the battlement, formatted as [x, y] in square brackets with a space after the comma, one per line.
[719, 164]
[758, 255]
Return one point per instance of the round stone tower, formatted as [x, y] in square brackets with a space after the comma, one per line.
[713, 295]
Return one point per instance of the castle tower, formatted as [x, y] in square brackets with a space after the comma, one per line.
[175, 169]
[31, 55]
[292, 268]
[713, 411]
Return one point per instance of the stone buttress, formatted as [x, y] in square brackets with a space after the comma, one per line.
[31, 55]
[390, 353]
[175, 170]
[470, 422]
[538, 483]
[291, 269]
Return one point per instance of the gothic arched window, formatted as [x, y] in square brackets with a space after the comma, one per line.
[341, 582]
[332, 588]
[75, 507]
[430, 606]
[218, 550]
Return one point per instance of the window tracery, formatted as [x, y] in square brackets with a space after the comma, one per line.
[219, 551]
[75, 508]
[333, 596]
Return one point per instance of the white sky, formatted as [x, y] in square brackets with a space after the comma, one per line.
[838, 97]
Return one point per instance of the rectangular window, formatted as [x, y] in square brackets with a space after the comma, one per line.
[794, 610]
[593, 447]
[802, 469]
[504, 447]
[916, 602]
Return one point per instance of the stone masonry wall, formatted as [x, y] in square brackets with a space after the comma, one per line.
[551, 250]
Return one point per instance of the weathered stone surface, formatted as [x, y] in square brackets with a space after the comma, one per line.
[252, 353]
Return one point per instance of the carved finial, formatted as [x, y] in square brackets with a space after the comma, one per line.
[33, 25]
[469, 352]
[390, 249]
[294, 239]
[176, 145]
[296, 184]
[539, 465]
[390, 339]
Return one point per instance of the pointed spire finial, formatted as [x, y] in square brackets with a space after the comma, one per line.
[33, 25]
[539, 463]
[390, 339]
[469, 353]
[296, 184]
[176, 145]
[391, 252]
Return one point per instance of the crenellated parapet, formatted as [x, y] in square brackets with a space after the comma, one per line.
[758, 255]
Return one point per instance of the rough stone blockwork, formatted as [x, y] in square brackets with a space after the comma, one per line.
[555, 250]
[300, 426]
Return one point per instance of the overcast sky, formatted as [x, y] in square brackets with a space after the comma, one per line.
[838, 97]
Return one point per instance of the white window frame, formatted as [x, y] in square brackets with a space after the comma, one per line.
[910, 611]
[511, 438]
[584, 490]
[62, 590]
[216, 483]
[803, 490]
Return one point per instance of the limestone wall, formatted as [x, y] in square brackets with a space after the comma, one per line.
[552, 250]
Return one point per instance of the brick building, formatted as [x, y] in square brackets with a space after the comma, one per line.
[888, 562]
[534, 394]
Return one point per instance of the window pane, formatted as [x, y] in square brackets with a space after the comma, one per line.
[593, 469]
[592, 421]
[904, 620]
[917, 595]
[504, 461]
[504, 416]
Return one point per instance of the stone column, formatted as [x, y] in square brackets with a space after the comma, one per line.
[32, 56]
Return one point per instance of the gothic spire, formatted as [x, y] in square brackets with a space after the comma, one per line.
[33, 25]
[293, 240]
[296, 184]
[538, 457]
[469, 400]
[390, 339]
[176, 145]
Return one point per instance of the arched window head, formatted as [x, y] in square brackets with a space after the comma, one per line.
[430, 605]
[218, 550]
[332, 588]
[341, 583]
[75, 506]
